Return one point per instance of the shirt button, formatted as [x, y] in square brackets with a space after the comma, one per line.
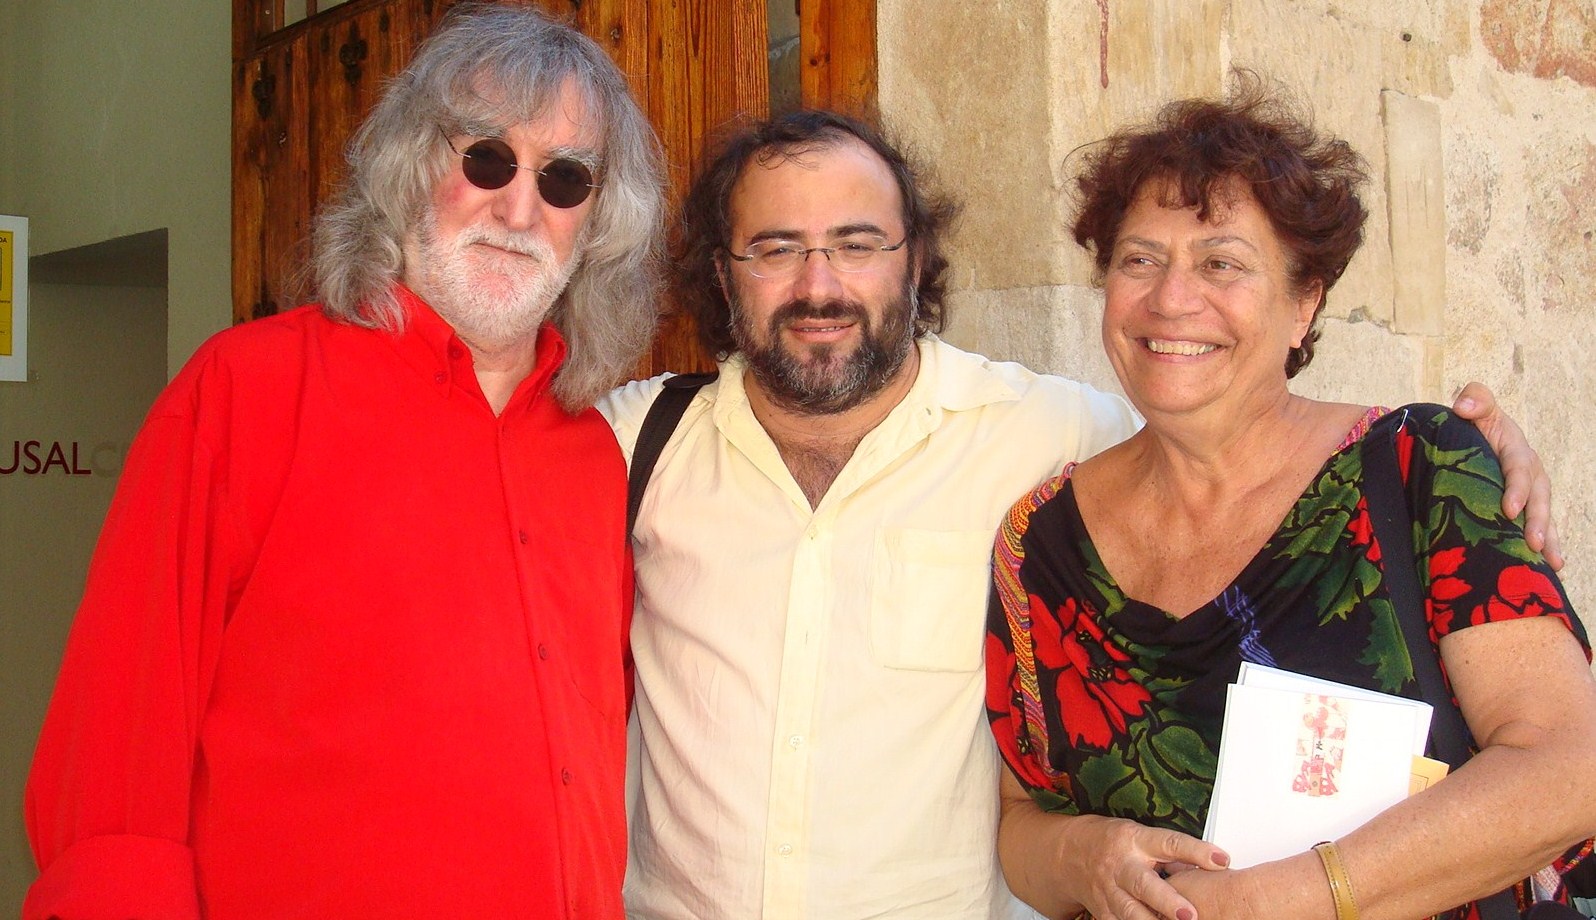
[796, 741]
[565, 777]
[812, 532]
[454, 351]
[785, 849]
[543, 651]
[522, 535]
[441, 377]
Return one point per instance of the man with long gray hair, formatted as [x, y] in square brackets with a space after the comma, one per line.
[353, 640]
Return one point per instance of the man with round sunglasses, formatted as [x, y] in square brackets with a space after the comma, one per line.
[812, 552]
[353, 640]
[490, 164]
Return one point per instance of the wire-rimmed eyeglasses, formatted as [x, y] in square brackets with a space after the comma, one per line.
[490, 164]
[777, 259]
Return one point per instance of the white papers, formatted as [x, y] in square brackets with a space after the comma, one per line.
[1303, 760]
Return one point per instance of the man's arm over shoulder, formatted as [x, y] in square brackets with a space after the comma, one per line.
[1085, 420]
[1110, 420]
[626, 406]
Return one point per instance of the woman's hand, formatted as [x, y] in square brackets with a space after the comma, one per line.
[1118, 868]
[1061, 864]
[1529, 488]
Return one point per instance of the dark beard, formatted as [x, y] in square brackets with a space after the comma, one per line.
[823, 382]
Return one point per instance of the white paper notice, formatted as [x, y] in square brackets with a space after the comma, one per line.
[1299, 767]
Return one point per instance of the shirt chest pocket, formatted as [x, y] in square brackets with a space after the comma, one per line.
[928, 598]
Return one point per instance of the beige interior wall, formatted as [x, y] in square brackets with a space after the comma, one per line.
[1478, 120]
[118, 122]
[114, 121]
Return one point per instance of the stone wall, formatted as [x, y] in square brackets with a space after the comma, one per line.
[1478, 120]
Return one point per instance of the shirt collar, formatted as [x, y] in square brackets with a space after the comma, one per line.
[429, 345]
[949, 380]
[956, 380]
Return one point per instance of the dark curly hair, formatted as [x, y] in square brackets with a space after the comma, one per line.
[1305, 181]
[706, 222]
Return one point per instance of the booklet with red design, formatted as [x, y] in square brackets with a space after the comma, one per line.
[1303, 760]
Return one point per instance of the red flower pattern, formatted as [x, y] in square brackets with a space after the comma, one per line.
[1008, 720]
[1362, 529]
[1095, 691]
[1520, 592]
[1446, 586]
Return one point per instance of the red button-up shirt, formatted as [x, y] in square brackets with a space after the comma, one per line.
[351, 646]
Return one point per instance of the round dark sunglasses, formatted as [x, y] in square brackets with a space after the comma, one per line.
[490, 164]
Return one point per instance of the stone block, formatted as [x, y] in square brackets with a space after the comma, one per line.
[1113, 65]
[1554, 408]
[1158, 50]
[1007, 123]
[1364, 363]
[1341, 84]
[1053, 329]
[1472, 174]
[1420, 16]
[1416, 198]
[1561, 184]
[967, 88]
[1415, 63]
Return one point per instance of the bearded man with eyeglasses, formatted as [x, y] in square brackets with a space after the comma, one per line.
[812, 551]
[353, 639]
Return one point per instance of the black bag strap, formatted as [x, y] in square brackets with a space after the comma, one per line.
[1393, 528]
[658, 425]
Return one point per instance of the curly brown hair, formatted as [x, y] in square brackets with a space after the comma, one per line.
[1304, 180]
[705, 229]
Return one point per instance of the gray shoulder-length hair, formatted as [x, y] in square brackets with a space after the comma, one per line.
[485, 69]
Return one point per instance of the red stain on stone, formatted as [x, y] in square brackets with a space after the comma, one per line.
[1102, 42]
[1543, 38]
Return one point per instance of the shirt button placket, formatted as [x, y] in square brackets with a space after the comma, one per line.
[792, 765]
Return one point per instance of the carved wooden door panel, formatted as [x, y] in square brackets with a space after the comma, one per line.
[300, 89]
[272, 192]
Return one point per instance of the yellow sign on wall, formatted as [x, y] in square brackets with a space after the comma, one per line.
[8, 250]
[13, 298]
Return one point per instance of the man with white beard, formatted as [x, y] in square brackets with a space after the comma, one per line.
[353, 640]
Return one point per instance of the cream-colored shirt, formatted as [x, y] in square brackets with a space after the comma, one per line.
[809, 681]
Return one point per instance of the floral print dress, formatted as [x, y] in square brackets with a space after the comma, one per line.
[1102, 704]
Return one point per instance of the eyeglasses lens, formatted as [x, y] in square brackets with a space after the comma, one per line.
[563, 183]
[489, 164]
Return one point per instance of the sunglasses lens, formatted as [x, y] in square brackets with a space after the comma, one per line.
[489, 164]
[565, 183]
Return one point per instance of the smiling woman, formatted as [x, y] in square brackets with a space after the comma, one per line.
[1202, 310]
[1234, 527]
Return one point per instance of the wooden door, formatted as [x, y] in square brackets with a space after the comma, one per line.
[300, 89]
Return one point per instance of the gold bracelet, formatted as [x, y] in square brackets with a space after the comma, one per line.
[1340, 885]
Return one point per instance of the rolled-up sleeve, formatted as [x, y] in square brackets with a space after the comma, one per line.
[108, 800]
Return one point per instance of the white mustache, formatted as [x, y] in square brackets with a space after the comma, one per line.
[520, 244]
